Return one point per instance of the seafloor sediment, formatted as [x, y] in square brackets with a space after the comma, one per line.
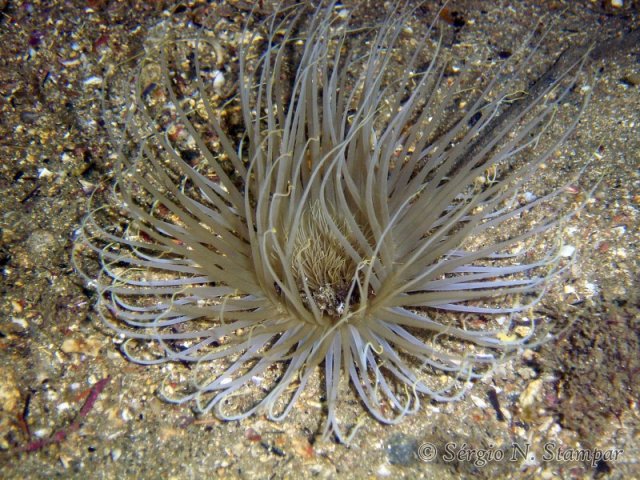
[577, 394]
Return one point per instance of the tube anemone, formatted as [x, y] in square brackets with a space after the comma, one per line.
[343, 229]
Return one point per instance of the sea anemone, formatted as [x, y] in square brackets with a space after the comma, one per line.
[348, 216]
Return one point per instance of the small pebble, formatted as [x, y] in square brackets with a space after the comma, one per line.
[632, 79]
[402, 450]
[478, 402]
[41, 244]
[116, 453]
[9, 393]
[218, 80]
[126, 415]
[90, 346]
[42, 432]
[93, 81]
[591, 288]
[567, 251]
[21, 322]
[530, 394]
[383, 471]
[45, 173]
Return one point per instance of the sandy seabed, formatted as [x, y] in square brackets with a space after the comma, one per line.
[567, 410]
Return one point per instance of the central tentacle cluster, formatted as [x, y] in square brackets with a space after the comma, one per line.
[327, 277]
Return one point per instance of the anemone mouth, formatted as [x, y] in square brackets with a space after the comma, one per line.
[334, 222]
[326, 276]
